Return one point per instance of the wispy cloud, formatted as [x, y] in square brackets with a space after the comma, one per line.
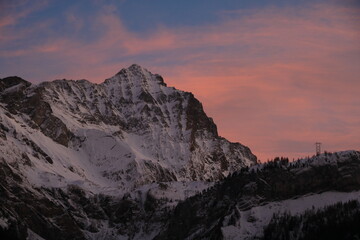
[273, 78]
[13, 11]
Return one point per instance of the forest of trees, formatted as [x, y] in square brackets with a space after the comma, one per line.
[339, 221]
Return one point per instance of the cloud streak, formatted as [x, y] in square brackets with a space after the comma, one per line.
[273, 78]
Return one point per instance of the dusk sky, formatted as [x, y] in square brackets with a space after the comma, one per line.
[276, 76]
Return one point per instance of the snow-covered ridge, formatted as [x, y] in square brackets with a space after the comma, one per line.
[128, 131]
[303, 164]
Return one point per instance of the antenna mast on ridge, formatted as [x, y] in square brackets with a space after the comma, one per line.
[318, 148]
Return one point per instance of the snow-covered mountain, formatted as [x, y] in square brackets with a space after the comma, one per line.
[128, 131]
[131, 158]
[83, 157]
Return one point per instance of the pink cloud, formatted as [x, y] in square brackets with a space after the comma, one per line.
[12, 11]
[273, 79]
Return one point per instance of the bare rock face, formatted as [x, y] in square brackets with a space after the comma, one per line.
[19, 97]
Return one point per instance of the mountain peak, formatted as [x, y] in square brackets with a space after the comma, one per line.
[12, 81]
[137, 75]
[134, 69]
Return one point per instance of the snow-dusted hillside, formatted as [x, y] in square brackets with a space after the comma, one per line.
[252, 222]
[243, 204]
[128, 131]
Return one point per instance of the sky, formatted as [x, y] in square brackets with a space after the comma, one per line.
[276, 75]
